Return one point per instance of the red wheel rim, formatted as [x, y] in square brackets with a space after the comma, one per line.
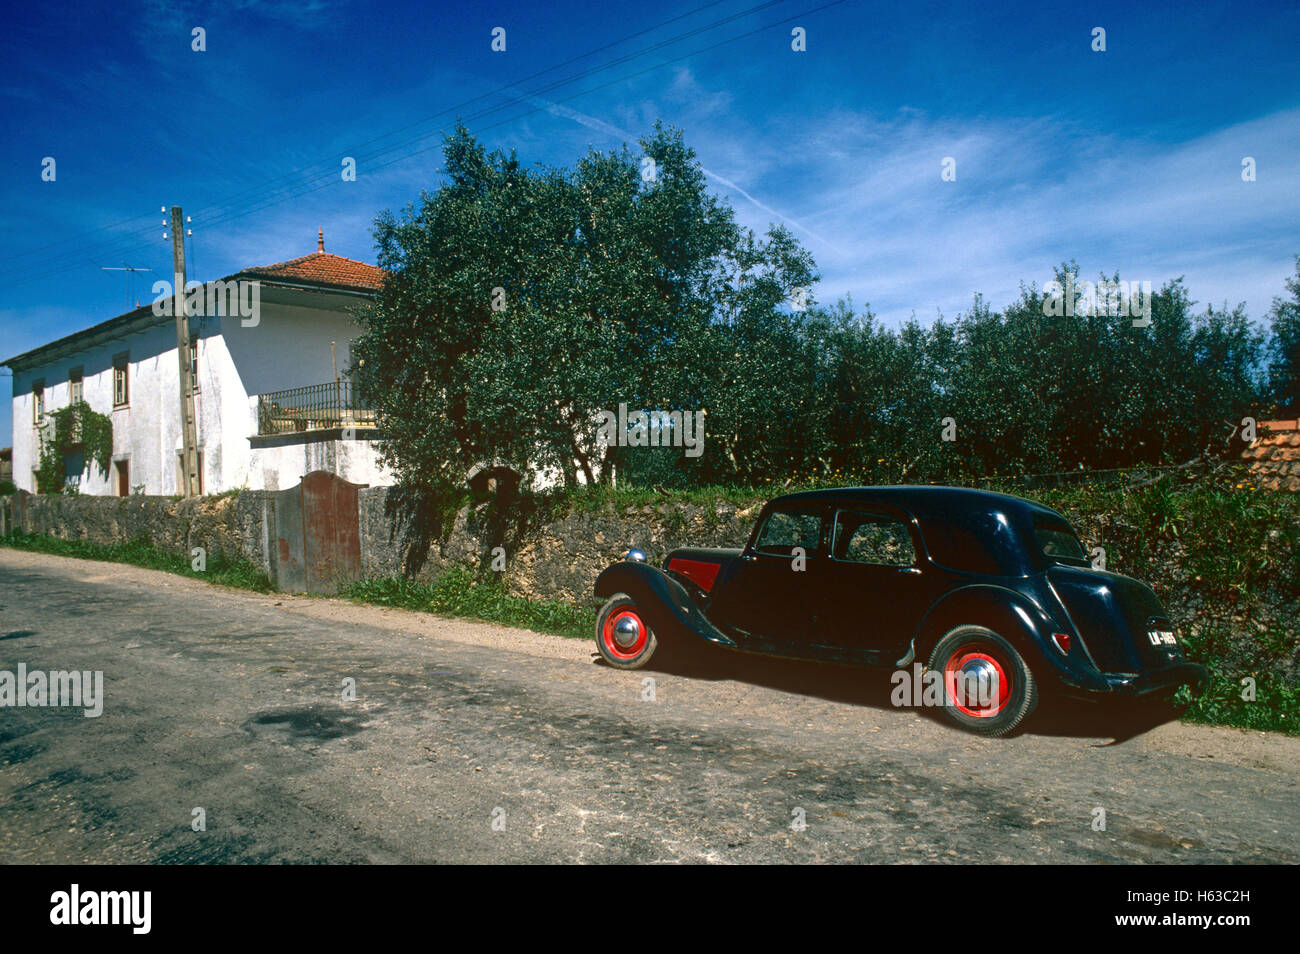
[976, 660]
[612, 645]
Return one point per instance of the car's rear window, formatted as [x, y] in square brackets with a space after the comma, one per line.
[1058, 542]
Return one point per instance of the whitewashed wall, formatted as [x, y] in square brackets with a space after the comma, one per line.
[289, 347]
[278, 468]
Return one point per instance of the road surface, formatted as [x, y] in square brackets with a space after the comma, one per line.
[474, 743]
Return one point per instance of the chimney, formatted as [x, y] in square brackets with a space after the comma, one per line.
[320, 240]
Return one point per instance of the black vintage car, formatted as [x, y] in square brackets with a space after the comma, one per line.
[986, 589]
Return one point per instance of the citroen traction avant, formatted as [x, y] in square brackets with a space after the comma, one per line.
[994, 593]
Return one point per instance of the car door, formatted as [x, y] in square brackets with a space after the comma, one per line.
[770, 592]
[874, 587]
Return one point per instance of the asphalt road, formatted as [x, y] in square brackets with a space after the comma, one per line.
[234, 703]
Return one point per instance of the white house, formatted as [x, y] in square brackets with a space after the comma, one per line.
[271, 394]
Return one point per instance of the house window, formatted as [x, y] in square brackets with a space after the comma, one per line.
[121, 381]
[123, 468]
[76, 388]
[74, 465]
[38, 403]
[180, 471]
[194, 365]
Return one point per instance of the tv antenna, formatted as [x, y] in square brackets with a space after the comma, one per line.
[128, 269]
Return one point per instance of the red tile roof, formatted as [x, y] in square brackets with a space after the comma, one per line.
[324, 269]
[1274, 457]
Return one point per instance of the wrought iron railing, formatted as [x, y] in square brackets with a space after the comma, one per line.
[315, 407]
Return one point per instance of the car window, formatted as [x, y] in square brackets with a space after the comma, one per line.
[974, 542]
[872, 538]
[1058, 542]
[784, 530]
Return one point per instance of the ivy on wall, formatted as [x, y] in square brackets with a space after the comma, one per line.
[71, 430]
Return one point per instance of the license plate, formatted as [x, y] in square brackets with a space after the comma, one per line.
[1162, 637]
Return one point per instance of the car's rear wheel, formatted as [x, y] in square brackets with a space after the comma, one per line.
[624, 639]
[988, 688]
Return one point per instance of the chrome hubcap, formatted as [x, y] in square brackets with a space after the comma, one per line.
[626, 632]
[979, 682]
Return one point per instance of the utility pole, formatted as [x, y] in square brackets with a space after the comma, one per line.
[189, 430]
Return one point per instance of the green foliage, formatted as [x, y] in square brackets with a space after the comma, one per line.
[1233, 541]
[1284, 348]
[602, 497]
[618, 288]
[1028, 392]
[613, 288]
[238, 573]
[455, 593]
[7, 487]
[71, 430]
[1275, 708]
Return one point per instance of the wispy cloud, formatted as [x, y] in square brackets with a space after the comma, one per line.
[1028, 195]
[591, 122]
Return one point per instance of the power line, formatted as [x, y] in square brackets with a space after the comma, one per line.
[328, 178]
[535, 109]
[277, 195]
[266, 197]
[252, 193]
[288, 180]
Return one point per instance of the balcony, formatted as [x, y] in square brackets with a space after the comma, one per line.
[317, 407]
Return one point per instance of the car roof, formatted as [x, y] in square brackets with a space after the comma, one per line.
[925, 499]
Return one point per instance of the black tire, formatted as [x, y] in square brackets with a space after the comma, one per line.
[974, 649]
[619, 647]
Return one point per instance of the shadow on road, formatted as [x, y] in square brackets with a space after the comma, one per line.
[1118, 719]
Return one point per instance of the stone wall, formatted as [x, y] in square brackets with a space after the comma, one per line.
[561, 558]
[233, 527]
[553, 557]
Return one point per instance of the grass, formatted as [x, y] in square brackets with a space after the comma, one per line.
[1275, 708]
[456, 593]
[142, 553]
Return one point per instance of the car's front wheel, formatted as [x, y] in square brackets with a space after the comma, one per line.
[622, 636]
[988, 688]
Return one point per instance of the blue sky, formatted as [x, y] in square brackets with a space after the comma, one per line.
[1128, 159]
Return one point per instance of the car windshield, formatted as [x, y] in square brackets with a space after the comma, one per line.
[786, 529]
[1058, 542]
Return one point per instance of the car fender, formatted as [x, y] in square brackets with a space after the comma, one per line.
[666, 605]
[1012, 616]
